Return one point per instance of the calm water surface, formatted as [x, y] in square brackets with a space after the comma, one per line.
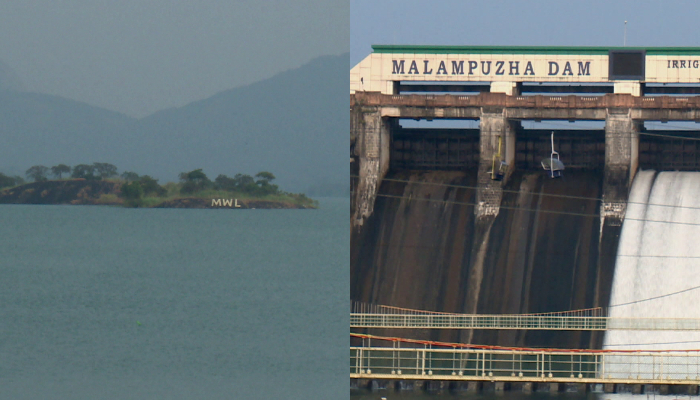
[112, 303]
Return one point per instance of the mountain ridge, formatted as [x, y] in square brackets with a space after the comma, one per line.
[289, 124]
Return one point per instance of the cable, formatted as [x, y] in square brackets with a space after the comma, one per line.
[650, 344]
[501, 207]
[670, 136]
[416, 246]
[537, 211]
[492, 347]
[656, 256]
[655, 297]
[563, 196]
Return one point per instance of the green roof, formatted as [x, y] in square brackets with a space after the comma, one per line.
[424, 49]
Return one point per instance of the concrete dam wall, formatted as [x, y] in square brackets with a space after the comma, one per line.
[424, 238]
[426, 247]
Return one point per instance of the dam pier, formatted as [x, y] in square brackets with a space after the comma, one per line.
[453, 214]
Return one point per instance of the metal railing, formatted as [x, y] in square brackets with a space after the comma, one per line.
[525, 366]
[364, 315]
[413, 321]
[532, 322]
[358, 307]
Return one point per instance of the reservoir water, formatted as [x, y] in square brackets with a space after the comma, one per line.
[113, 303]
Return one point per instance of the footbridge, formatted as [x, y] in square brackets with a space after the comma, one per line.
[374, 316]
[400, 363]
[396, 359]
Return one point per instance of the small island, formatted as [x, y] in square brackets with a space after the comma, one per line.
[100, 184]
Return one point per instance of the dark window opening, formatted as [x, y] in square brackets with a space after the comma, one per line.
[626, 64]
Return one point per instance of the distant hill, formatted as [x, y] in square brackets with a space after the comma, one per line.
[42, 129]
[293, 124]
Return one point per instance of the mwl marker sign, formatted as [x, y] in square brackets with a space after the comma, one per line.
[224, 203]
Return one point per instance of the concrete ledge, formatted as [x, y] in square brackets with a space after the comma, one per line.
[636, 389]
[524, 387]
[500, 387]
[437, 386]
[575, 388]
[380, 384]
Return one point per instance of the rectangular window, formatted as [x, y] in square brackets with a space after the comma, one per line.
[626, 65]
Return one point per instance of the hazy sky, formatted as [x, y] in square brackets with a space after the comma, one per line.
[140, 56]
[533, 22]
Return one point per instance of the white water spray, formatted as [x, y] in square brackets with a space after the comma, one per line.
[658, 255]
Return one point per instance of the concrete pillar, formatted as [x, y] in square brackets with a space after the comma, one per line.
[378, 384]
[500, 387]
[474, 387]
[575, 388]
[362, 383]
[690, 390]
[623, 388]
[628, 87]
[649, 389]
[621, 162]
[372, 138]
[493, 125]
[438, 387]
[392, 87]
[509, 88]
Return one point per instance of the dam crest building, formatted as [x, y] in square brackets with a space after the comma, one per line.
[502, 86]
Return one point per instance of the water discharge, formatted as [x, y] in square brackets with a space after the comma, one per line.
[658, 259]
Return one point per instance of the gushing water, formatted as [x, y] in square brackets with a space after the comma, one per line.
[658, 260]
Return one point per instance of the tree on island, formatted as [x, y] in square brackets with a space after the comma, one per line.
[244, 183]
[37, 173]
[84, 171]
[223, 182]
[264, 185]
[132, 193]
[8, 181]
[130, 176]
[60, 169]
[265, 176]
[151, 186]
[194, 181]
[105, 170]
[247, 184]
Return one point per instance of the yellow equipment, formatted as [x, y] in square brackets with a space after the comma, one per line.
[498, 166]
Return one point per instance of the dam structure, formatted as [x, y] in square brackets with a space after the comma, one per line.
[453, 212]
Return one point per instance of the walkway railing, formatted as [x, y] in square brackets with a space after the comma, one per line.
[373, 316]
[663, 367]
[357, 307]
